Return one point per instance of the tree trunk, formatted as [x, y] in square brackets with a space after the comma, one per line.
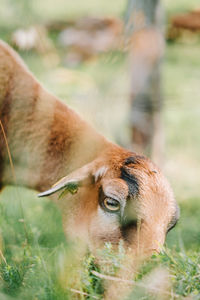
[145, 33]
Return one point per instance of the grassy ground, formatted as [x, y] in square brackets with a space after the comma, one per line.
[34, 250]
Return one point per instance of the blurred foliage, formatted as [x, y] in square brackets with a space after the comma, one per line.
[179, 6]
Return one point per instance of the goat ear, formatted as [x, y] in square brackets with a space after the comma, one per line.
[73, 181]
[69, 185]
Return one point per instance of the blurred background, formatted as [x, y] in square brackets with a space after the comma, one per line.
[132, 69]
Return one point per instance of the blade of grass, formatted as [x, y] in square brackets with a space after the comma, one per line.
[14, 177]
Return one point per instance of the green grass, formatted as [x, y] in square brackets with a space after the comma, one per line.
[35, 251]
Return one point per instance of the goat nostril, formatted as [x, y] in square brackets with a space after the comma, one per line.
[127, 223]
[129, 230]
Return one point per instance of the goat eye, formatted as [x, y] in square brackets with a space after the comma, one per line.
[111, 205]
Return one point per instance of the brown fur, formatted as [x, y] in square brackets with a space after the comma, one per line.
[58, 141]
[190, 21]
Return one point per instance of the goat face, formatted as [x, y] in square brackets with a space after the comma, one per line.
[118, 196]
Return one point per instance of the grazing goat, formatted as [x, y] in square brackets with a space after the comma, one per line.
[111, 190]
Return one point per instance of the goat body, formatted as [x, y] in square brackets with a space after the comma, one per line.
[115, 189]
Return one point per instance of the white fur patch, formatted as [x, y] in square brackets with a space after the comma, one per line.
[100, 173]
[107, 219]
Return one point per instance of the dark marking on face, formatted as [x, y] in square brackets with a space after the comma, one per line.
[130, 160]
[131, 181]
[127, 223]
[128, 228]
[133, 160]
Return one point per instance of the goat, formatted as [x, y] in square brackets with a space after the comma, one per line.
[112, 190]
